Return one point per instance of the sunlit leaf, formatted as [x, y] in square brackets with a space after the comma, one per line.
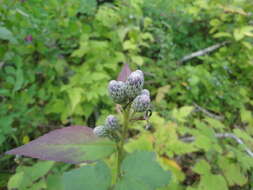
[26, 175]
[142, 172]
[211, 182]
[232, 172]
[161, 92]
[5, 34]
[202, 167]
[95, 177]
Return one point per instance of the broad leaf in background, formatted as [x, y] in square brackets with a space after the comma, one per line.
[5, 34]
[71, 144]
[26, 177]
[124, 73]
[142, 172]
[94, 177]
[208, 181]
[232, 172]
[182, 113]
[161, 92]
[88, 6]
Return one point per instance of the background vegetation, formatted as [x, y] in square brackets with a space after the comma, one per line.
[56, 58]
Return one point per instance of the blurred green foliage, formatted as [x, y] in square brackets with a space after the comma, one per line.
[56, 58]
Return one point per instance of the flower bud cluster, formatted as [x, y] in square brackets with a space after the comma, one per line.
[122, 92]
[108, 129]
[131, 91]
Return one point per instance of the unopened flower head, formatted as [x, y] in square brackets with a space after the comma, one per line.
[111, 122]
[146, 92]
[134, 84]
[100, 131]
[141, 103]
[117, 90]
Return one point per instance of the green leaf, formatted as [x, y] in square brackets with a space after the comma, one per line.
[241, 32]
[54, 182]
[16, 180]
[75, 96]
[181, 113]
[39, 185]
[142, 172]
[4, 179]
[211, 182]
[88, 6]
[208, 181]
[5, 34]
[25, 176]
[161, 92]
[143, 142]
[128, 45]
[202, 167]
[215, 123]
[222, 34]
[137, 59]
[246, 115]
[232, 172]
[19, 79]
[95, 177]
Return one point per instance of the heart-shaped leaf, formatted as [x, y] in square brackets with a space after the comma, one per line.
[142, 172]
[95, 177]
[124, 73]
[70, 144]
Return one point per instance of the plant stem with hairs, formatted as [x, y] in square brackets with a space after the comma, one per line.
[120, 146]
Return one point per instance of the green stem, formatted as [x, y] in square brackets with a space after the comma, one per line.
[120, 146]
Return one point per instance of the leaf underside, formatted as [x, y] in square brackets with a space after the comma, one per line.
[124, 73]
[74, 144]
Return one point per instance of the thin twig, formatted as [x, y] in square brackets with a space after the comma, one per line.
[212, 115]
[202, 52]
[223, 135]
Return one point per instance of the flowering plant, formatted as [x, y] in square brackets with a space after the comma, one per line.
[78, 144]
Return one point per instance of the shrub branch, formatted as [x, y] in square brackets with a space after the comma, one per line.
[224, 135]
[202, 52]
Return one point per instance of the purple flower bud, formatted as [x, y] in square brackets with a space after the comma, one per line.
[111, 122]
[100, 131]
[134, 84]
[117, 90]
[29, 38]
[141, 103]
[146, 92]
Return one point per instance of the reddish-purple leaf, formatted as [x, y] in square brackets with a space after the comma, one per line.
[124, 73]
[74, 144]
